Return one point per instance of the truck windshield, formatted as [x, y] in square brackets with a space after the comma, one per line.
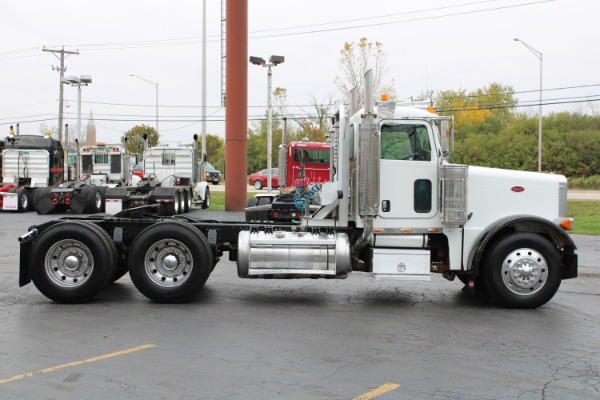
[315, 156]
[405, 142]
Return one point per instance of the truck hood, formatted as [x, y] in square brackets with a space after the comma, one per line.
[495, 193]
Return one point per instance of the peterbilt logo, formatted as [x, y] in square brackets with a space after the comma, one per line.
[517, 189]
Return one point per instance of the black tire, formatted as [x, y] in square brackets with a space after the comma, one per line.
[206, 201]
[263, 201]
[521, 270]
[258, 185]
[187, 195]
[22, 200]
[182, 201]
[252, 215]
[171, 207]
[95, 200]
[185, 262]
[71, 262]
[30, 193]
[85, 192]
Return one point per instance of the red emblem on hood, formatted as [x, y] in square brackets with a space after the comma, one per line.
[517, 189]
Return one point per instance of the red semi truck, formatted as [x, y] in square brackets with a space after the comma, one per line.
[301, 165]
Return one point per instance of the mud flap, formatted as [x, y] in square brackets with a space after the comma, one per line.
[78, 203]
[43, 204]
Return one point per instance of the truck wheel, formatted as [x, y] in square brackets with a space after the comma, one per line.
[41, 201]
[171, 207]
[206, 201]
[257, 185]
[85, 192]
[176, 203]
[522, 270]
[71, 262]
[187, 195]
[182, 201]
[95, 200]
[22, 200]
[170, 261]
[251, 215]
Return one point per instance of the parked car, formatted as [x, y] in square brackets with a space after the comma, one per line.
[259, 179]
[211, 174]
[138, 170]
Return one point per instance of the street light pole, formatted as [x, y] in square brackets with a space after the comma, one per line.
[539, 55]
[82, 80]
[155, 84]
[273, 62]
[269, 129]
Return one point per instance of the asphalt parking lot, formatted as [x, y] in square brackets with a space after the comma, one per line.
[297, 339]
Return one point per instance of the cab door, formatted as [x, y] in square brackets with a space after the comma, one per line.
[408, 173]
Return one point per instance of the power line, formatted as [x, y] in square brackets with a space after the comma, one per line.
[404, 21]
[185, 41]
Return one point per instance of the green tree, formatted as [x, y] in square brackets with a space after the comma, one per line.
[485, 110]
[215, 151]
[257, 143]
[135, 138]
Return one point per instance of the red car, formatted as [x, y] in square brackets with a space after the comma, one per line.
[138, 170]
[259, 179]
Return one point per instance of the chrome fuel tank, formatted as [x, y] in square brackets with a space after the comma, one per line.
[282, 254]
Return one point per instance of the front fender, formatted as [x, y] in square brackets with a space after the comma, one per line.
[527, 223]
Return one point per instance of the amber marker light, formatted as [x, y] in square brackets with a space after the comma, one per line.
[567, 224]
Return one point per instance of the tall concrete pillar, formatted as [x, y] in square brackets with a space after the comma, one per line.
[236, 102]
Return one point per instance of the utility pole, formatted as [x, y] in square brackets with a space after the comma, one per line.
[61, 70]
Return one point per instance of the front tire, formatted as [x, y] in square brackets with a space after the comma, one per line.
[71, 262]
[170, 261]
[522, 270]
[258, 185]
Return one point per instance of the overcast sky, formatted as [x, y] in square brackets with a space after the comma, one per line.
[433, 45]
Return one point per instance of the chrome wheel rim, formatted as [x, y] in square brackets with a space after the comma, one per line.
[69, 263]
[24, 201]
[98, 200]
[524, 271]
[257, 185]
[168, 263]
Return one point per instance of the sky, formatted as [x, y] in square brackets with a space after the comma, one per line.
[431, 45]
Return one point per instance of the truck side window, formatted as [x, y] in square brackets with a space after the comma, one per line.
[405, 142]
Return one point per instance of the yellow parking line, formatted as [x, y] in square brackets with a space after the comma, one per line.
[75, 363]
[388, 387]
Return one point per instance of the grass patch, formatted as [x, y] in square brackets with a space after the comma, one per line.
[586, 214]
[217, 200]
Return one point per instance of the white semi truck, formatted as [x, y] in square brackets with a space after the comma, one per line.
[171, 180]
[394, 208]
